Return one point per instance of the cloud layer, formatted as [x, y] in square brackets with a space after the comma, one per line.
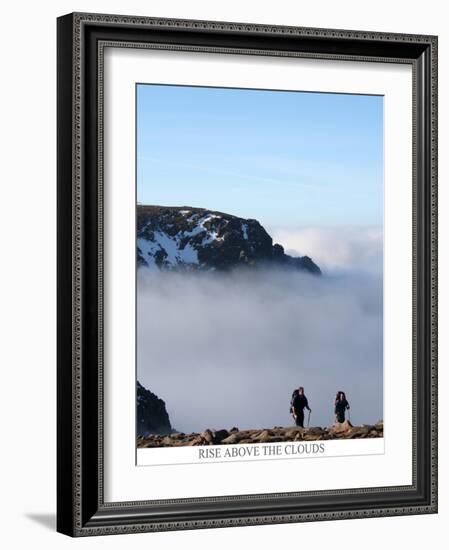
[227, 350]
[335, 248]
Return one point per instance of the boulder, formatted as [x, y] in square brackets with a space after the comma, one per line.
[313, 431]
[339, 427]
[219, 435]
[196, 441]
[233, 438]
[263, 437]
[292, 432]
[208, 436]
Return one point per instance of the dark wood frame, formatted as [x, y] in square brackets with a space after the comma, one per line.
[81, 509]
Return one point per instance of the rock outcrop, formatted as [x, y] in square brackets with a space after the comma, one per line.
[269, 435]
[174, 238]
[152, 416]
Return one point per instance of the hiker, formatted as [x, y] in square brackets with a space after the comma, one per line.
[294, 394]
[340, 406]
[298, 404]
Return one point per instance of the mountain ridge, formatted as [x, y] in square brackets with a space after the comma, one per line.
[192, 238]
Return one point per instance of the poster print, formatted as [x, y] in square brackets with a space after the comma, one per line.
[259, 269]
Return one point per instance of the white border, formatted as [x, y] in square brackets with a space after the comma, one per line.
[123, 481]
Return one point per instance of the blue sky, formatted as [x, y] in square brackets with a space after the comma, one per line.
[284, 158]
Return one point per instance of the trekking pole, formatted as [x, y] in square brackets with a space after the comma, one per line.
[349, 415]
[308, 419]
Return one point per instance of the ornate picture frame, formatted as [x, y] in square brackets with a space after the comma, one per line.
[81, 506]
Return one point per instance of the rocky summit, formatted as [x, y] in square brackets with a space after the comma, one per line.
[269, 435]
[174, 238]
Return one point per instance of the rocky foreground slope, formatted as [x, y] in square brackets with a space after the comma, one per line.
[278, 434]
[197, 239]
[152, 416]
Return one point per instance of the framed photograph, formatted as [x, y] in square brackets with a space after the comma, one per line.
[247, 274]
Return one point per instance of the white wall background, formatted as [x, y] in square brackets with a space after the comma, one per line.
[28, 283]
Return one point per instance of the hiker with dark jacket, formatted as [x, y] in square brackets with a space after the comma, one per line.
[298, 404]
[340, 406]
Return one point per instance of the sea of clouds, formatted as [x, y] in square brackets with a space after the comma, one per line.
[335, 249]
[226, 350]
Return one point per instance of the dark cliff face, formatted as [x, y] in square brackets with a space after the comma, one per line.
[198, 239]
[152, 416]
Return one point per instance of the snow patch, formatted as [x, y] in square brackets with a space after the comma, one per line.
[147, 250]
[188, 255]
[195, 231]
[175, 253]
[171, 246]
[211, 234]
[210, 237]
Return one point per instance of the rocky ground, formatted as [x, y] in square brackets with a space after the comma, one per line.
[293, 433]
